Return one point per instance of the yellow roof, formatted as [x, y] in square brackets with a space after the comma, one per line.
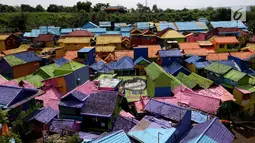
[172, 34]
[109, 48]
[3, 37]
[77, 40]
[61, 40]
[22, 48]
[109, 39]
[157, 26]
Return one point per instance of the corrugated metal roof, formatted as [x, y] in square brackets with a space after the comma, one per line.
[170, 53]
[27, 34]
[115, 137]
[85, 49]
[70, 55]
[125, 63]
[80, 33]
[226, 40]
[77, 40]
[218, 68]
[123, 53]
[97, 30]
[35, 32]
[22, 48]
[107, 48]
[142, 25]
[189, 45]
[228, 24]
[152, 50]
[217, 56]
[68, 68]
[105, 24]
[193, 59]
[126, 29]
[108, 39]
[231, 64]
[202, 65]
[112, 32]
[164, 25]
[171, 34]
[242, 55]
[66, 30]
[141, 59]
[191, 26]
[234, 75]
[44, 115]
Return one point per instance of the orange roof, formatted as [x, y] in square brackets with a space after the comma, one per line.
[226, 40]
[196, 52]
[152, 50]
[110, 57]
[210, 50]
[189, 45]
[70, 55]
[123, 53]
[217, 56]
[99, 59]
[242, 55]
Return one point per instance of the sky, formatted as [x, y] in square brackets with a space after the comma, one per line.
[173, 4]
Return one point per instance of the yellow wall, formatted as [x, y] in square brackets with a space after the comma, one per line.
[61, 44]
[238, 96]
[118, 46]
[49, 44]
[60, 52]
[61, 84]
[75, 47]
[2, 46]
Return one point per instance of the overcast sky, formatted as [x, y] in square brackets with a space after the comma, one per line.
[174, 4]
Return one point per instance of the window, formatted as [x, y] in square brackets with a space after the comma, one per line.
[231, 46]
[222, 46]
[102, 124]
[78, 81]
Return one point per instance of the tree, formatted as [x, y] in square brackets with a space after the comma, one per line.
[27, 8]
[97, 7]
[52, 8]
[39, 8]
[84, 6]
[155, 8]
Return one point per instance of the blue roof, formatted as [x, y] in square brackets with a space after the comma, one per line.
[202, 65]
[149, 128]
[174, 68]
[166, 110]
[98, 65]
[105, 24]
[126, 29]
[199, 117]
[170, 53]
[112, 65]
[61, 61]
[125, 34]
[27, 34]
[193, 59]
[231, 64]
[115, 137]
[105, 69]
[228, 24]
[74, 29]
[49, 29]
[210, 131]
[66, 30]
[44, 115]
[125, 63]
[35, 32]
[142, 25]
[164, 25]
[137, 61]
[28, 56]
[97, 30]
[85, 50]
[191, 26]
[89, 25]
[112, 32]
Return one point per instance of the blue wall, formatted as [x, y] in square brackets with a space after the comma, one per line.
[6, 69]
[242, 64]
[184, 126]
[162, 91]
[169, 60]
[140, 52]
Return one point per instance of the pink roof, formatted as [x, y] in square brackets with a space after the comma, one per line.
[217, 92]
[51, 98]
[126, 114]
[24, 84]
[244, 91]
[2, 80]
[87, 88]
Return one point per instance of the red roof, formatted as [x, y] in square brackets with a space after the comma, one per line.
[51, 98]
[45, 37]
[221, 29]
[226, 40]
[80, 33]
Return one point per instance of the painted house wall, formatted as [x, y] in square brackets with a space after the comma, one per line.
[60, 53]
[238, 96]
[195, 38]
[225, 47]
[183, 127]
[191, 67]
[49, 44]
[75, 46]
[58, 82]
[140, 52]
[71, 80]
[5, 69]
[143, 40]
[126, 44]
[242, 64]
[11, 42]
[25, 69]
[2, 45]
[169, 60]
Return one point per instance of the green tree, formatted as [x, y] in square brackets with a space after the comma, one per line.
[155, 8]
[84, 6]
[97, 7]
[53, 8]
[39, 8]
[27, 8]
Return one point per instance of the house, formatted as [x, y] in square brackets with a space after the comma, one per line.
[100, 110]
[64, 126]
[194, 80]
[140, 52]
[194, 37]
[20, 64]
[19, 99]
[190, 63]
[140, 64]
[110, 58]
[76, 43]
[221, 31]
[89, 25]
[126, 43]
[108, 84]
[176, 68]
[216, 72]
[229, 24]
[124, 66]
[117, 136]
[40, 120]
[98, 66]
[152, 51]
[162, 25]
[230, 63]
[65, 31]
[71, 55]
[225, 44]
[235, 78]
[49, 29]
[88, 55]
[217, 57]
[124, 123]
[166, 57]
[50, 98]
[142, 25]
[139, 37]
[8, 42]
[168, 35]
[244, 60]
[125, 31]
[97, 31]
[151, 129]
[68, 76]
[122, 53]
[79, 33]
[20, 49]
[159, 82]
[207, 132]
[72, 102]
[244, 96]
[191, 26]
[105, 24]
[48, 40]
[60, 61]
[189, 46]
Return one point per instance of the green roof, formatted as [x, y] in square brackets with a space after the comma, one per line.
[234, 75]
[251, 80]
[34, 79]
[201, 81]
[104, 76]
[248, 87]
[181, 76]
[218, 68]
[68, 68]
[153, 71]
[49, 69]
[125, 78]
[13, 61]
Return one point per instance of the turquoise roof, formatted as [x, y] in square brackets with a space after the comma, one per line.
[116, 137]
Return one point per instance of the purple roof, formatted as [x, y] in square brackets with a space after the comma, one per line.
[79, 95]
[166, 110]
[60, 125]
[61, 61]
[170, 53]
[100, 104]
[209, 131]
[28, 57]
[192, 59]
[124, 123]
[98, 65]
[125, 63]
[44, 115]
[71, 103]
[10, 95]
